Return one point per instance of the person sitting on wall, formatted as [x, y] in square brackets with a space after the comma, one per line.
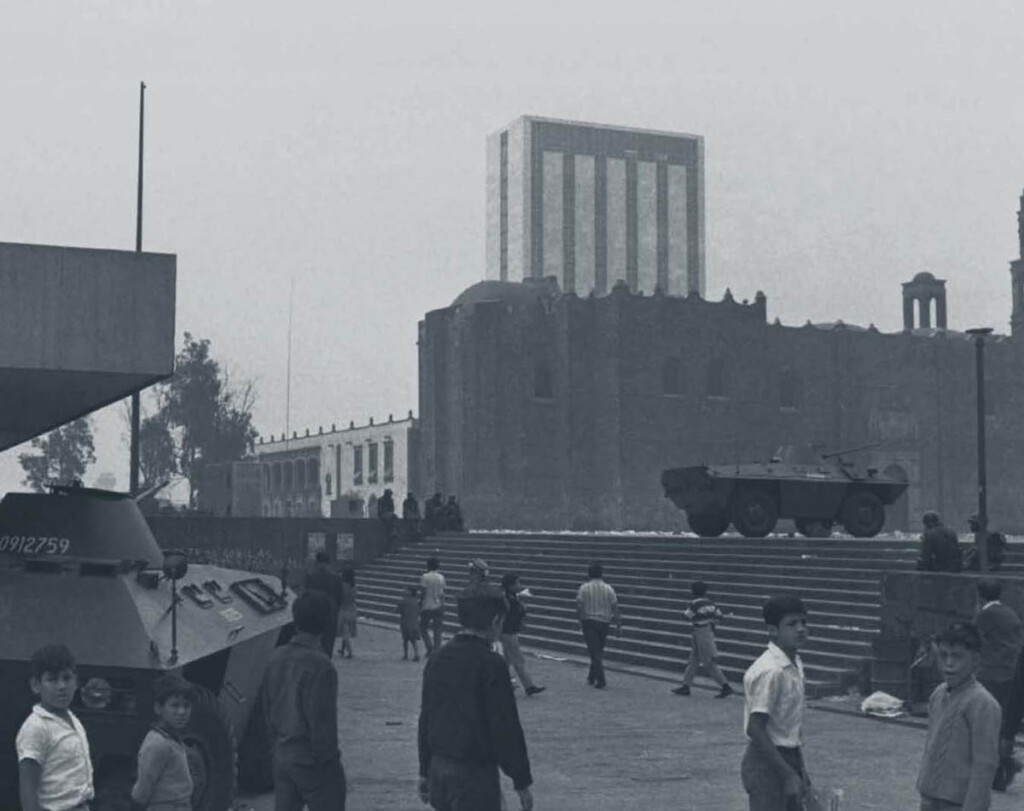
[940, 547]
[453, 516]
[996, 549]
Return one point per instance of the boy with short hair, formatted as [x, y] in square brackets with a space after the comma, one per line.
[961, 752]
[409, 621]
[164, 782]
[54, 767]
[703, 615]
[773, 771]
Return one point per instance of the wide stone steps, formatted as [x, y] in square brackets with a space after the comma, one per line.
[839, 580]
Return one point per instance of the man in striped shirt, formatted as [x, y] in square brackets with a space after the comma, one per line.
[597, 609]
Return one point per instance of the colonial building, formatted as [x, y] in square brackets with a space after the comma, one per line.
[337, 472]
[591, 204]
[544, 409]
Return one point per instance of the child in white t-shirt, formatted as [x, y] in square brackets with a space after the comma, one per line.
[54, 767]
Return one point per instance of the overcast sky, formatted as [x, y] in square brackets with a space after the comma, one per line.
[845, 151]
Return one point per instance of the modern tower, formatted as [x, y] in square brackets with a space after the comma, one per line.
[592, 204]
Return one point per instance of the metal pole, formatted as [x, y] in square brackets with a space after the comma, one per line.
[133, 465]
[981, 534]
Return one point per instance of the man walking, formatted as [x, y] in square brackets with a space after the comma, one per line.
[325, 580]
[1000, 631]
[469, 724]
[510, 628]
[432, 586]
[940, 547]
[597, 608]
[300, 702]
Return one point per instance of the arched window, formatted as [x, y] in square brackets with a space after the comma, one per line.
[300, 474]
[543, 384]
[288, 480]
[791, 389]
[312, 472]
[277, 475]
[717, 378]
[266, 476]
[672, 376]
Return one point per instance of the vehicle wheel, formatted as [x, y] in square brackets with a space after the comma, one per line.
[863, 514]
[708, 525]
[255, 762]
[814, 528]
[754, 513]
[113, 786]
[210, 746]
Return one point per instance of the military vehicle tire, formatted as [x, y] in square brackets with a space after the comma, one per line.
[754, 512]
[814, 527]
[708, 525]
[255, 760]
[210, 745]
[863, 514]
[113, 783]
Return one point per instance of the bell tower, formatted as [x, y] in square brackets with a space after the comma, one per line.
[923, 289]
[1017, 276]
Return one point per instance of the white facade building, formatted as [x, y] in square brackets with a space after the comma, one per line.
[303, 475]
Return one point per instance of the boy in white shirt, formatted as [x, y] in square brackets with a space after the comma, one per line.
[54, 768]
[773, 770]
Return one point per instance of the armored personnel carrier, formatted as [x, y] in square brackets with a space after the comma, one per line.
[80, 567]
[816, 490]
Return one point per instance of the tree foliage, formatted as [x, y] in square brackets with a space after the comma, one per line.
[202, 419]
[62, 456]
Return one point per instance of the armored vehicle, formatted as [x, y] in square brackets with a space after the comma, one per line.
[80, 567]
[815, 490]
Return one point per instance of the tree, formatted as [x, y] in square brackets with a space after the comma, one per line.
[210, 419]
[62, 455]
[157, 456]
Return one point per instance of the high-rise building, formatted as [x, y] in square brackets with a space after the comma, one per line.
[592, 204]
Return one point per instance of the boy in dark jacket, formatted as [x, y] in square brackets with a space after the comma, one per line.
[510, 632]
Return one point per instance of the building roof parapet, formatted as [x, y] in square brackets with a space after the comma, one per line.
[391, 421]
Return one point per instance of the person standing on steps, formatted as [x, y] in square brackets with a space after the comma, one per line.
[432, 586]
[510, 628]
[597, 608]
[703, 615]
[940, 547]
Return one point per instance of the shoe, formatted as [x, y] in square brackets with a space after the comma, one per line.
[600, 685]
[533, 690]
[590, 680]
[405, 658]
[725, 692]
[682, 690]
[415, 658]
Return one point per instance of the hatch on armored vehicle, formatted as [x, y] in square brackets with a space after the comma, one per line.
[816, 490]
[80, 567]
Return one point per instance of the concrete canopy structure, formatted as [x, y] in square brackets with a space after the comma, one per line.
[79, 329]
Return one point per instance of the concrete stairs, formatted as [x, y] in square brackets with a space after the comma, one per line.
[839, 580]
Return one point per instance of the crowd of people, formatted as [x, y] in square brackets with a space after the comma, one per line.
[466, 737]
[439, 515]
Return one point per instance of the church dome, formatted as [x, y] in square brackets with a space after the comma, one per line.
[514, 294]
[924, 276]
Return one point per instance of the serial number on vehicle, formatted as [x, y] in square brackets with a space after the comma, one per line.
[34, 545]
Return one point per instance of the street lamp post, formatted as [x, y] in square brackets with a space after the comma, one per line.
[981, 534]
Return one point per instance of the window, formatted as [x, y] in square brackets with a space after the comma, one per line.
[371, 473]
[357, 464]
[314, 506]
[300, 474]
[672, 376]
[312, 472]
[717, 378]
[389, 460]
[543, 385]
[327, 484]
[266, 476]
[791, 389]
[288, 481]
[277, 475]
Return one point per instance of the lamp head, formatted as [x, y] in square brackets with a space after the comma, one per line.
[175, 564]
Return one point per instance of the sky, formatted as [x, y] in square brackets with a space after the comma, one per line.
[339, 149]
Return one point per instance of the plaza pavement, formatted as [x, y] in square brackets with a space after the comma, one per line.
[631, 747]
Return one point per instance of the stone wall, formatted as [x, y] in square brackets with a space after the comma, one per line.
[266, 544]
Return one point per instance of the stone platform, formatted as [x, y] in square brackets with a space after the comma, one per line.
[633, 746]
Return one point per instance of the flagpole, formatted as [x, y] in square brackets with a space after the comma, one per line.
[133, 467]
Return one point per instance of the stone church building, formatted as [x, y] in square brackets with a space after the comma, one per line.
[545, 410]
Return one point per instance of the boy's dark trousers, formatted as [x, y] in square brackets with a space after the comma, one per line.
[595, 633]
[431, 617]
[764, 788]
[297, 783]
[459, 786]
